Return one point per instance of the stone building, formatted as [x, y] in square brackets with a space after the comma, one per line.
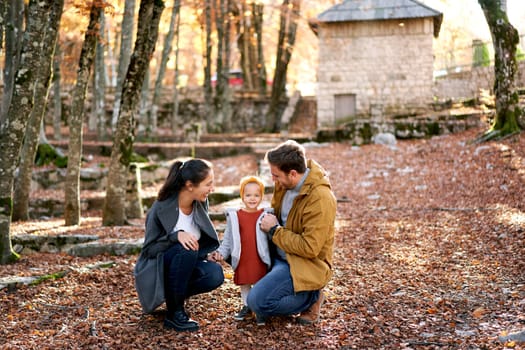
[375, 59]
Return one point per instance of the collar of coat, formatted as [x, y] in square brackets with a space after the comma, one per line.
[168, 214]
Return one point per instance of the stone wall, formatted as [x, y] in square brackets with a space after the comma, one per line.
[467, 83]
[376, 61]
[248, 112]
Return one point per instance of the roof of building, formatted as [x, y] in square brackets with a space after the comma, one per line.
[368, 10]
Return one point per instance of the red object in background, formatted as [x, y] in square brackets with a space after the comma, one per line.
[234, 78]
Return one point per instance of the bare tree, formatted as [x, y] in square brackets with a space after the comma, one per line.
[148, 27]
[87, 56]
[505, 38]
[126, 42]
[3, 7]
[260, 68]
[161, 73]
[57, 98]
[250, 45]
[13, 128]
[222, 100]
[175, 112]
[35, 125]
[14, 19]
[97, 117]
[144, 128]
[290, 10]
[208, 91]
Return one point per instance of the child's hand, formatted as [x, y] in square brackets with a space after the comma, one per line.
[215, 256]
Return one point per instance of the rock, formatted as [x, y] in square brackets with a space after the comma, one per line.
[123, 247]
[384, 139]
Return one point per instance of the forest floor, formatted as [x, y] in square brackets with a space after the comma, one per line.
[430, 247]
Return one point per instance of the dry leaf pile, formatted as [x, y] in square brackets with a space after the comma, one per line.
[430, 248]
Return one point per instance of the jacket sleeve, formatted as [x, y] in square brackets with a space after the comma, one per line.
[317, 222]
[225, 248]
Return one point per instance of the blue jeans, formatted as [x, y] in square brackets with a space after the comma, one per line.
[186, 274]
[273, 295]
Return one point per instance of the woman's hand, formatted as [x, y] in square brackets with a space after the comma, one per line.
[188, 241]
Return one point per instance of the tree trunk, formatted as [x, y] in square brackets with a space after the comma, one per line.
[35, 126]
[97, 116]
[13, 127]
[111, 78]
[144, 126]
[148, 27]
[290, 10]
[3, 8]
[243, 42]
[126, 41]
[222, 66]
[13, 39]
[250, 46]
[505, 38]
[227, 91]
[175, 113]
[87, 56]
[166, 53]
[258, 11]
[208, 91]
[57, 98]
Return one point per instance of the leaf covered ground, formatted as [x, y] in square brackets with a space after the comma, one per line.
[429, 254]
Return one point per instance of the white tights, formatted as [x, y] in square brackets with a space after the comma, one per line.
[245, 290]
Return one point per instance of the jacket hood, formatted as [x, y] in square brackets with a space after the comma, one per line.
[317, 177]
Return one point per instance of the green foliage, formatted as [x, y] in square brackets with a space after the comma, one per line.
[366, 132]
[433, 129]
[51, 276]
[47, 154]
[126, 150]
[9, 259]
[13, 257]
[137, 158]
[520, 55]
[61, 162]
[481, 55]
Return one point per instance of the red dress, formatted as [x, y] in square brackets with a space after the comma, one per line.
[250, 268]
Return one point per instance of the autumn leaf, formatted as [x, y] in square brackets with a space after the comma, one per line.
[479, 312]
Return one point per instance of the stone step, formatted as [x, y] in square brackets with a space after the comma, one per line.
[165, 150]
[47, 206]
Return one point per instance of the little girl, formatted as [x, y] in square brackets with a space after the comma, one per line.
[245, 243]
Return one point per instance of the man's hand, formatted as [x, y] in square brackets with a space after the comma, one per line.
[268, 221]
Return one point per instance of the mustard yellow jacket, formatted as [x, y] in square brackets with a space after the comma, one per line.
[308, 237]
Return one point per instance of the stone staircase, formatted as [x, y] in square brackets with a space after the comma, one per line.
[93, 180]
[89, 245]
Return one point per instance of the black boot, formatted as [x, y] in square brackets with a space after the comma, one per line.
[176, 317]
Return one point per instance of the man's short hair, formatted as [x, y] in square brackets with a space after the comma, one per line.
[287, 156]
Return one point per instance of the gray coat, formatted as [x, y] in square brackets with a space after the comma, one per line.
[231, 243]
[159, 236]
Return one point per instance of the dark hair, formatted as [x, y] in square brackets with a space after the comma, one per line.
[194, 170]
[289, 155]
